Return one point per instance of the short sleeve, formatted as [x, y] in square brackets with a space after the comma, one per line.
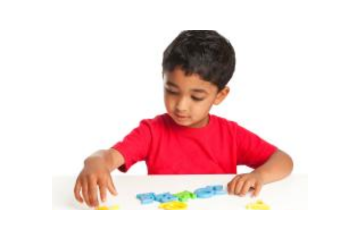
[135, 146]
[252, 151]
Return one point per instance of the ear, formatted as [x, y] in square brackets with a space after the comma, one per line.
[220, 96]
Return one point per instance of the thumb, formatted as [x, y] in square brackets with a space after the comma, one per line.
[257, 190]
[111, 187]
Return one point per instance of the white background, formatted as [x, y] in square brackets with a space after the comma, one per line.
[76, 76]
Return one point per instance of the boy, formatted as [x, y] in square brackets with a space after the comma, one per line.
[197, 66]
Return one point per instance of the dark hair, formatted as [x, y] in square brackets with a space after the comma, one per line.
[202, 52]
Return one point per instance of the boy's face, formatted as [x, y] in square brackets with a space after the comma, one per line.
[188, 99]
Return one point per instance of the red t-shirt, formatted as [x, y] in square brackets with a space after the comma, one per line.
[217, 148]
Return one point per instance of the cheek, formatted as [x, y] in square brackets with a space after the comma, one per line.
[201, 108]
[169, 102]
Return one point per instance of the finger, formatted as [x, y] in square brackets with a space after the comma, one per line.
[93, 193]
[245, 188]
[77, 191]
[103, 190]
[239, 185]
[232, 185]
[111, 187]
[85, 191]
[257, 190]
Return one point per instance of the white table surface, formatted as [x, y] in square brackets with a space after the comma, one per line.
[290, 193]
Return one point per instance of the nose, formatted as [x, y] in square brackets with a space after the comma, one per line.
[181, 105]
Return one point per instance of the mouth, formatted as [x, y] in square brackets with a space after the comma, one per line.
[181, 117]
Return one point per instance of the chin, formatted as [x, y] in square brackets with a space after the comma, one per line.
[182, 122]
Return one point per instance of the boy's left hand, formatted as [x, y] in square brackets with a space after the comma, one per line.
[243, 183]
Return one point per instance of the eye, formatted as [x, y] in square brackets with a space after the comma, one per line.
[197, 99]
[170, 92]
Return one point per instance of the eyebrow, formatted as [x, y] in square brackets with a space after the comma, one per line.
[198, 90]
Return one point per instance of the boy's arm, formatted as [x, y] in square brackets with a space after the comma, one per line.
[277, 167]
[112, 158]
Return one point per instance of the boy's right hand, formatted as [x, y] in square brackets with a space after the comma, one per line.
[95, 175]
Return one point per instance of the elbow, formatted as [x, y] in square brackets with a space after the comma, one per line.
[288, 162]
